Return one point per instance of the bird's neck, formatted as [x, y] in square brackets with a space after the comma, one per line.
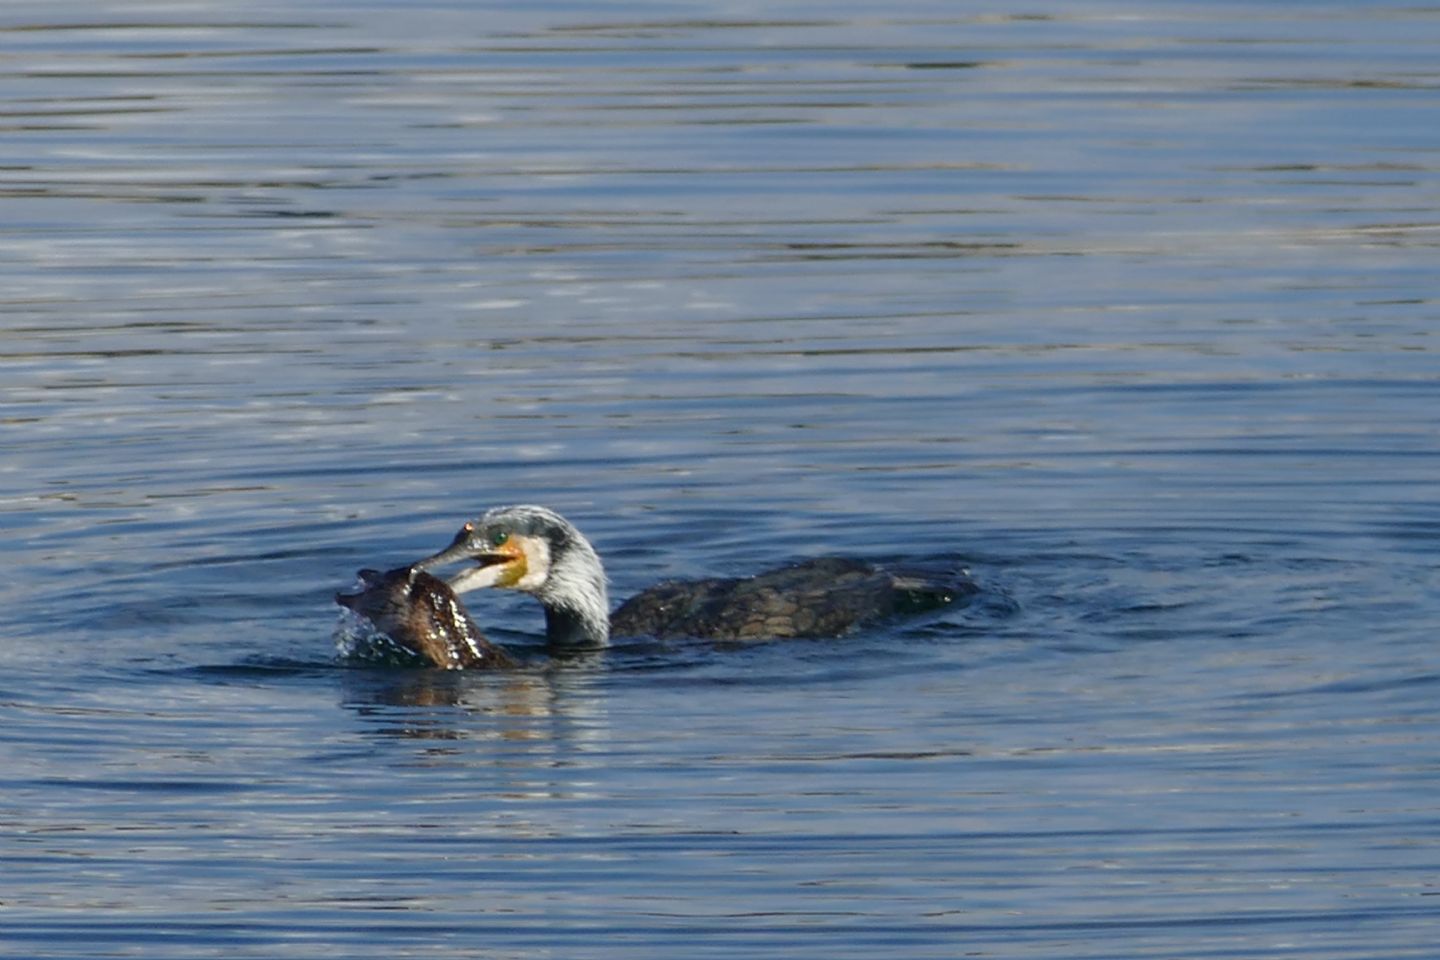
[568, 627]
[577, 605]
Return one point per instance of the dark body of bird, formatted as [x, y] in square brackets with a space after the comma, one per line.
[824, 597]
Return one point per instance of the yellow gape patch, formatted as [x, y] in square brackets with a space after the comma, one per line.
[514, 570]
[529, 570]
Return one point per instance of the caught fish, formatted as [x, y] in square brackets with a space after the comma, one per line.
[421, 614]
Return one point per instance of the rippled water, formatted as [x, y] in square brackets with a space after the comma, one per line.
[1130, 306]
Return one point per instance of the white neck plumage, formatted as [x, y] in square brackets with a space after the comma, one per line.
[577, 604]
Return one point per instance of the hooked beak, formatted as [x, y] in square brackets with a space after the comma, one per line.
[490, 563]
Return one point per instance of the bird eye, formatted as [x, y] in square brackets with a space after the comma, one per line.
[498, 538]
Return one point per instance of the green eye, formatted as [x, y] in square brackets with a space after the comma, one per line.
[498, 538]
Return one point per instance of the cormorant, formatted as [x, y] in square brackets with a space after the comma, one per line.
[537, 551]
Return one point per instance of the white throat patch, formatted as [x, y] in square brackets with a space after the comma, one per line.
[537, 564]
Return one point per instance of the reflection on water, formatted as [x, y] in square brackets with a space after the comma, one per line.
[551, 705]
[1131, 307]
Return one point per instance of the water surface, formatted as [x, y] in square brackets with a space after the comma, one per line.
[1128, 306]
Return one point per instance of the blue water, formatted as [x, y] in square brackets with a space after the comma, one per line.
[1130, 307]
